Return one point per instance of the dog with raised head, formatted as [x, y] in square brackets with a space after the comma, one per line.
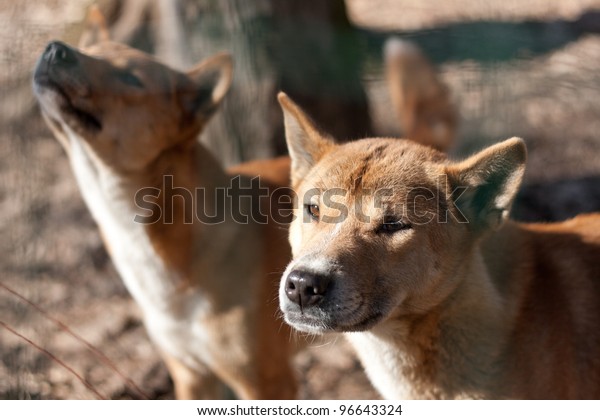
[413, 258]
[129, 125]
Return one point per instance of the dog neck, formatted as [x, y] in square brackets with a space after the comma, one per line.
[452, 351]
[154, 259]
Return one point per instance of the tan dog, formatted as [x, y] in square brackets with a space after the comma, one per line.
[421, 100]
[206, 288]
[412, 257]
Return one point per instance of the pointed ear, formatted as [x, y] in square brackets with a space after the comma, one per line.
[95, 30]
[213, 78]
[305, 143]
[488, 182]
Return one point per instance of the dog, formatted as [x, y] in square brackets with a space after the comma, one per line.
[419, 97]
[412, 256]
[207, 291]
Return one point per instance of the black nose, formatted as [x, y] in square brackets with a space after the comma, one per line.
[58, 53]
[306, 289]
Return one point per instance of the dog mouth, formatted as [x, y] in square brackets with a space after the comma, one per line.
[366, 323]
[74, 116]
[319, 324]
[308, 324]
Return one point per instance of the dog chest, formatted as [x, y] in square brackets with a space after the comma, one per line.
[383, 364]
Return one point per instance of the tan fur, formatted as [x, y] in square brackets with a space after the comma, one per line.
[421, 100]
[440, 294]
[207, 291]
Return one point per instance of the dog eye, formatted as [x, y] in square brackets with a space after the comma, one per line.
[393, 226]
[130, 79]
[313, 211]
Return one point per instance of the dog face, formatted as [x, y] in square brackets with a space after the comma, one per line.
[126, 107]
[381, 225]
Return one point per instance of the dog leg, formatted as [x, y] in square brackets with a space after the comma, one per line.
[191, 384]
[265, 381]
[283, 386]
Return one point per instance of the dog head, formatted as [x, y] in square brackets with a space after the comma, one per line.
[382, 225]
[123, 105]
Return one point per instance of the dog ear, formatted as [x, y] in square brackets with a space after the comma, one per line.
[305, 143]
[213, 79]
[486, 183]
[95, 30]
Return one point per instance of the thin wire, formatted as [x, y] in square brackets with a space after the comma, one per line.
[103, 358]
[57, 360]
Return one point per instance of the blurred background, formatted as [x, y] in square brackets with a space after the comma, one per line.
[513, 68]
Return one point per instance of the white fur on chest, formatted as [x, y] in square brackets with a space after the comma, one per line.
[169, 314]
[383, 364]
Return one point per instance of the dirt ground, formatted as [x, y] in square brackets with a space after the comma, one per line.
[52, 255]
